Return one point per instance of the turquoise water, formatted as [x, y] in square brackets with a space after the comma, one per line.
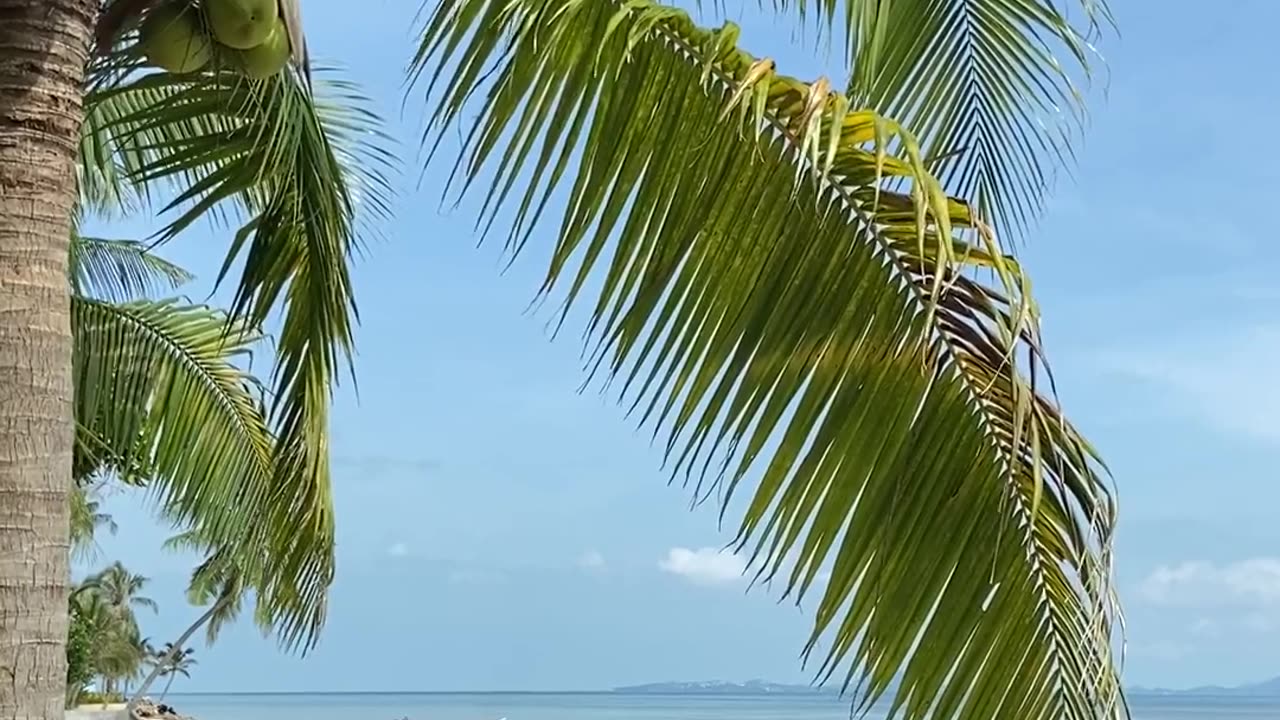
[603, 706]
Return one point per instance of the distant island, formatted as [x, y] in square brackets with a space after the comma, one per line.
[719, 687]
[1266, 688]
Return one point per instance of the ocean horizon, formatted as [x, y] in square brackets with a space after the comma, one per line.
[611, 705]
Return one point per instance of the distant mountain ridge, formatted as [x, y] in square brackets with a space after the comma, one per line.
[1266, 688]
[721, 687]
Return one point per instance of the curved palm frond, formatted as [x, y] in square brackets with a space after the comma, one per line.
[163, 402]
[792, 324]
[153, 371]
[993, 88]
[120, 270]
[160, 394]
[303, 175]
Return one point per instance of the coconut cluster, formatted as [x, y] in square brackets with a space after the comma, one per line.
[247, 35]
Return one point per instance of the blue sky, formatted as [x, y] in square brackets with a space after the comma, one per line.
[499, 531]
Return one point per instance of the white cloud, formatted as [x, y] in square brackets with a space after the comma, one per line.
[1254, 582]
[704, 566]
[1222, 380]
[591, 560]
[398, 550]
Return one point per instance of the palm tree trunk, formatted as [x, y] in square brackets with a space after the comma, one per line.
[167, 685]
[43, 49]
[175, 648]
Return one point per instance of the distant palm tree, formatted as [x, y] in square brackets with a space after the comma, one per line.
[218, 583]
[121, 590]
[172, 661]
[117, 648]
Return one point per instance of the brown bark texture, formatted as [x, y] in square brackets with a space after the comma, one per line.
[43, 49]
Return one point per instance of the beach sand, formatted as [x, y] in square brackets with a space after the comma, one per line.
[99, 711]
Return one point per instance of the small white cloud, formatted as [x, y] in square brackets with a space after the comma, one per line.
[704, 566]
[1254, 582]
[398, 550]
[591, 560]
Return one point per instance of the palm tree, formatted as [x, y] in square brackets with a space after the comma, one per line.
[43, 46]
[121, 277]
[171, 661]
[285, 168]
[219, 583]
[296, 162]
[121, 591]
[809, 294]
[108, 599]
[106, 602]
[121, 331]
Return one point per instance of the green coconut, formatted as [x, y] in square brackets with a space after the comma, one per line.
[172, 39]
[241, 24]
[268, 58]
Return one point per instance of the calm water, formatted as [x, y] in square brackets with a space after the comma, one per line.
[515, 706]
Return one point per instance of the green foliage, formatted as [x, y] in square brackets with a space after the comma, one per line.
[86, 521]
[993, 88]
[777, 282]
[157, 365]
[172, 661]
[80, 669]
[219, 583]
[90, 697]
[121, 270]
[104, 605]
[297, 175]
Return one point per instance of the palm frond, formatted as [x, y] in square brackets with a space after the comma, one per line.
[993, 88]
[162, 396]
[302, 174]
[120, 270]
[791, 324]
[159, 370]
[86, 520]
[220, 583]
[101, 163]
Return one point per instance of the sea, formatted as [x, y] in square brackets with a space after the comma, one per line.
[614, 706]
